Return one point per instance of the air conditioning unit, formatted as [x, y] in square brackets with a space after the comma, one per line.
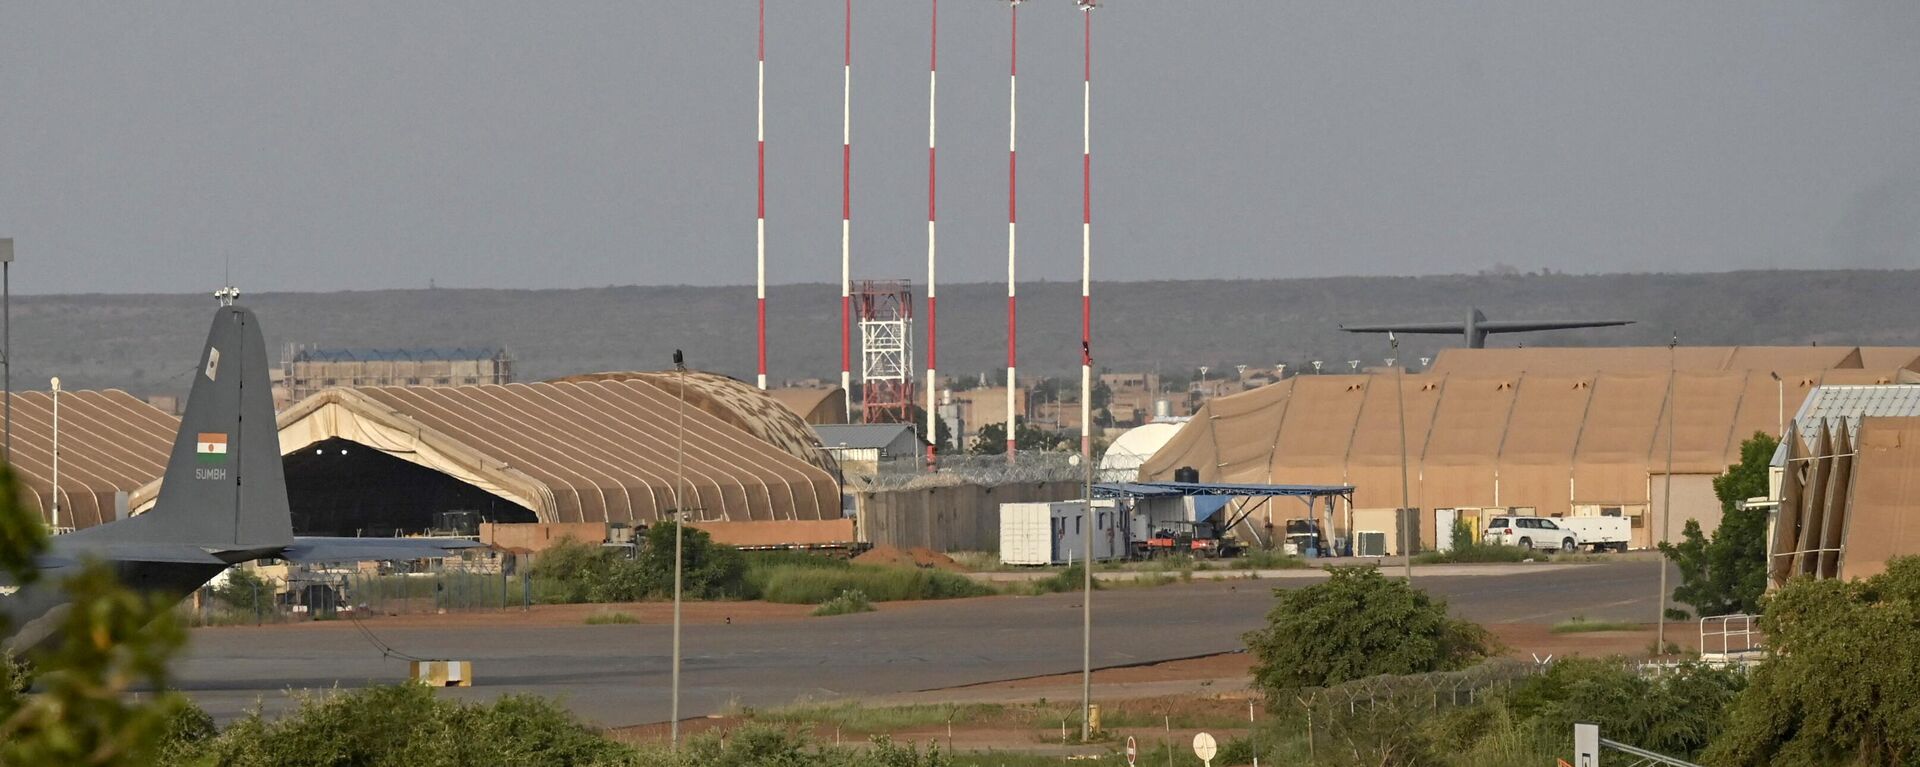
[1370, 543]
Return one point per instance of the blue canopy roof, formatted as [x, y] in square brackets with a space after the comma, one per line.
[1171, 489]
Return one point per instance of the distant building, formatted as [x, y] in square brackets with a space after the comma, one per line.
[864, 447]
[306, 371]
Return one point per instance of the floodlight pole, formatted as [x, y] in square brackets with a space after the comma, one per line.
[1666, 505]
[56, 453]
[1406, 495]
[679, 523]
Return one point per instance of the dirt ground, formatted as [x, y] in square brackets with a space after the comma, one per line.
[918, 556]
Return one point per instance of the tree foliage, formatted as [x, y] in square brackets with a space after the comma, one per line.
[573, 572]
[1728, 573]
[80, 709]
[992, 438]
[1357, 624]
[407, 724]
[1840, 685]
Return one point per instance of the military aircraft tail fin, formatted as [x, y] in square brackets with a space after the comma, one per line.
[224, 482]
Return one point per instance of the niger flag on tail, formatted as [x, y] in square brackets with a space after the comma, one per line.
[212, 447]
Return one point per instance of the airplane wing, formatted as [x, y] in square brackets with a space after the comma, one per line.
[1450, 328]
[1519, 326]
[318, 549]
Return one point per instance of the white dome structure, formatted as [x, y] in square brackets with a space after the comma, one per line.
[1124, 457]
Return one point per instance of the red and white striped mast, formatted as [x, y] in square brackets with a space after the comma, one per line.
[933, 164]
[1013, 218]
[760, 136]
[1086, 236]
[846, 216]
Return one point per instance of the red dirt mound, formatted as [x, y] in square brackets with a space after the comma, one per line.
[918, 556]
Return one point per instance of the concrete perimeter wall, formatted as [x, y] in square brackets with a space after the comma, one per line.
[948, 518]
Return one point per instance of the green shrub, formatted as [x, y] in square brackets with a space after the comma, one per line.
[1677, 712]
[1071, 579]
[408, 725]
[1356, 624]
[610, 619]
[849, 602]
[1839, 686]
[572, 572]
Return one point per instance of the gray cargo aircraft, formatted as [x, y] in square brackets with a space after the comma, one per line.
[1477, 327]
[223, 501]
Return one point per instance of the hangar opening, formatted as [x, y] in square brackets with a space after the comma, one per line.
[340, 487]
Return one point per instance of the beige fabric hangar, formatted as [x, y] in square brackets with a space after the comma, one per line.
[111, 444]
[381, 460]
[1556, 444]
[1651, 359]
[1848, 484]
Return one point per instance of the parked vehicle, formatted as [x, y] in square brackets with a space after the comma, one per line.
[1538, 533]
[1601, 533]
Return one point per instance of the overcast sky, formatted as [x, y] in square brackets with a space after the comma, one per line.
[361, 145]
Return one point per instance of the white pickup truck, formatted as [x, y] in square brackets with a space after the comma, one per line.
[1559, 533]
[1530, 533]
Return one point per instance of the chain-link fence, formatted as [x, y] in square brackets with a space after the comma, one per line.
[245, 598]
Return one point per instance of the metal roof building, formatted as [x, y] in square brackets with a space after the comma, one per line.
[1550, 439]
[591, 449]
[111, 444]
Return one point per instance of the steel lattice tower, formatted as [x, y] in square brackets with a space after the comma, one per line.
[886, 350]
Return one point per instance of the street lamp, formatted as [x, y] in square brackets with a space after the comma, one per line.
[6, 344]
[1780, 390]
[56, 453]
[1406, 495]
[679, 523]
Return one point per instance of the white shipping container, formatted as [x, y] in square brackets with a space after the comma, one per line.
[1051, 533]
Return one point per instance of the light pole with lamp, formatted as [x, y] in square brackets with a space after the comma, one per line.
[56, 454]
[1780, 390]
[1406, 495]
[679, 522]
[6, 344]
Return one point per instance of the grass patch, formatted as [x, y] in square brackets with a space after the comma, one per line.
[1073, 578]
[1579, 624]
[815, 582]
[854, 717]
[610, 618]
[1262, 559]
[848, 603]
[1476, 554]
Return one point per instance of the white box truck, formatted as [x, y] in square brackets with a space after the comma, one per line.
[1601, 533]
[1053, 533]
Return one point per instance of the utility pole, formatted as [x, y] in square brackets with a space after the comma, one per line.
[1406, 494]
[1666, 505]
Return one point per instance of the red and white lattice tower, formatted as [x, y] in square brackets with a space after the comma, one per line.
[933, 186]
[846, 214]
[760, 204]
[1086, 236]
[1013, 219]
[886, 350]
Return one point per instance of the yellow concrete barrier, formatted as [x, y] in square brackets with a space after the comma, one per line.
[442, 673]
